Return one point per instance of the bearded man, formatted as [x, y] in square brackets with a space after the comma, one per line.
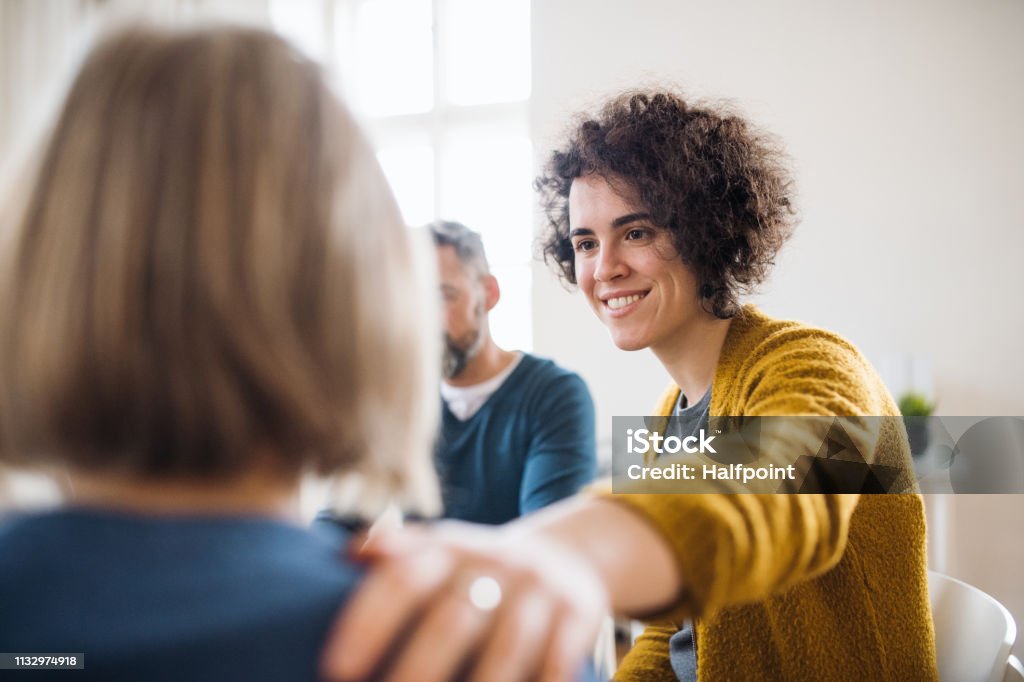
[517, 430]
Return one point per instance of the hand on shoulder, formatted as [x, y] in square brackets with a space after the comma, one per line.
[498, 604]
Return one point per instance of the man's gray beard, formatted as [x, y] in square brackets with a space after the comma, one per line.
[457, 356]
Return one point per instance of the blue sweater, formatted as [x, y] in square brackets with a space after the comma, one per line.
[148, 598]
[532, 443]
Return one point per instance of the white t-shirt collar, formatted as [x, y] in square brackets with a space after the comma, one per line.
[465, 401]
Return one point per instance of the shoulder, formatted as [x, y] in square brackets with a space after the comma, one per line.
[16, 551]
[242, 599]
[542, 369]
[545, 378]
[256, 567]
[786, 357]
[790, 341]
[236, 598]
[756, 337]
[30, 538]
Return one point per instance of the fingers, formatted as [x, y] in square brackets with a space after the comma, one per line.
[443, 639]
[517, 638]
[373, 618]
[415, 609]
[570, 635]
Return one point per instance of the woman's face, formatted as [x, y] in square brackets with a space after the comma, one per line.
[628, 269]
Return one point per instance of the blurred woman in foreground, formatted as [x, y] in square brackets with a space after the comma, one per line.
[665, 214]
[207, 293]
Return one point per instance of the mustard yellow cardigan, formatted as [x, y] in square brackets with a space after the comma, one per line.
[794, 587]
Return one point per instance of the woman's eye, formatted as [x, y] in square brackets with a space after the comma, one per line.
[636, 233]
[584, 245]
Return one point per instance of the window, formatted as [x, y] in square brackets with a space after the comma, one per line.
[443, 87]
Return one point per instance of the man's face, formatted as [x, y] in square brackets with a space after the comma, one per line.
[465, 310]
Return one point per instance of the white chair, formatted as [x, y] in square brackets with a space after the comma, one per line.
[973, 632]
[1014, 670]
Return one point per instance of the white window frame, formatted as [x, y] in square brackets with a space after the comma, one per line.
[433, 127]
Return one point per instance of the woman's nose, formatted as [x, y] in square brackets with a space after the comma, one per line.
[610, 265]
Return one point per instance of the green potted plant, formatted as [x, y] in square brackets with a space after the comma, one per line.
[916, 409]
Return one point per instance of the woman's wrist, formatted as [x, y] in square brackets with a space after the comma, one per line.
[625, 550]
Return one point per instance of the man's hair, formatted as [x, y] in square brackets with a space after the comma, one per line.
[469, 247]
[720, 187]
[192, 281]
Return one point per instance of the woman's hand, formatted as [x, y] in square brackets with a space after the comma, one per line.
[414, 611]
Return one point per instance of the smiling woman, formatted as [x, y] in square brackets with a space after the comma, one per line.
[715, 184]
[666, 213]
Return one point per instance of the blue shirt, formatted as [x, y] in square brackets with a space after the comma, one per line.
[159, 598]
[532, 443]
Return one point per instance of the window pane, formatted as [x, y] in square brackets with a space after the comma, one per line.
[394, 53]
[486, 183]
[510, 320]
[301, 22]
[410, 171]
[487, 51]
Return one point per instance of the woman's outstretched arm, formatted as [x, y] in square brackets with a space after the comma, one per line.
[560, 570]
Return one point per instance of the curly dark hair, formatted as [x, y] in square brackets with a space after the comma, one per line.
[719, 186]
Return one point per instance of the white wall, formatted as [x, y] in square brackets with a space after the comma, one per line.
[903, 121]
[35, 37]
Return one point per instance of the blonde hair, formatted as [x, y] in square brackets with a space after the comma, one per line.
[209, 263]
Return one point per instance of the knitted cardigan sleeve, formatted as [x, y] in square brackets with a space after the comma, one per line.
[741, 548]
[648, 659]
